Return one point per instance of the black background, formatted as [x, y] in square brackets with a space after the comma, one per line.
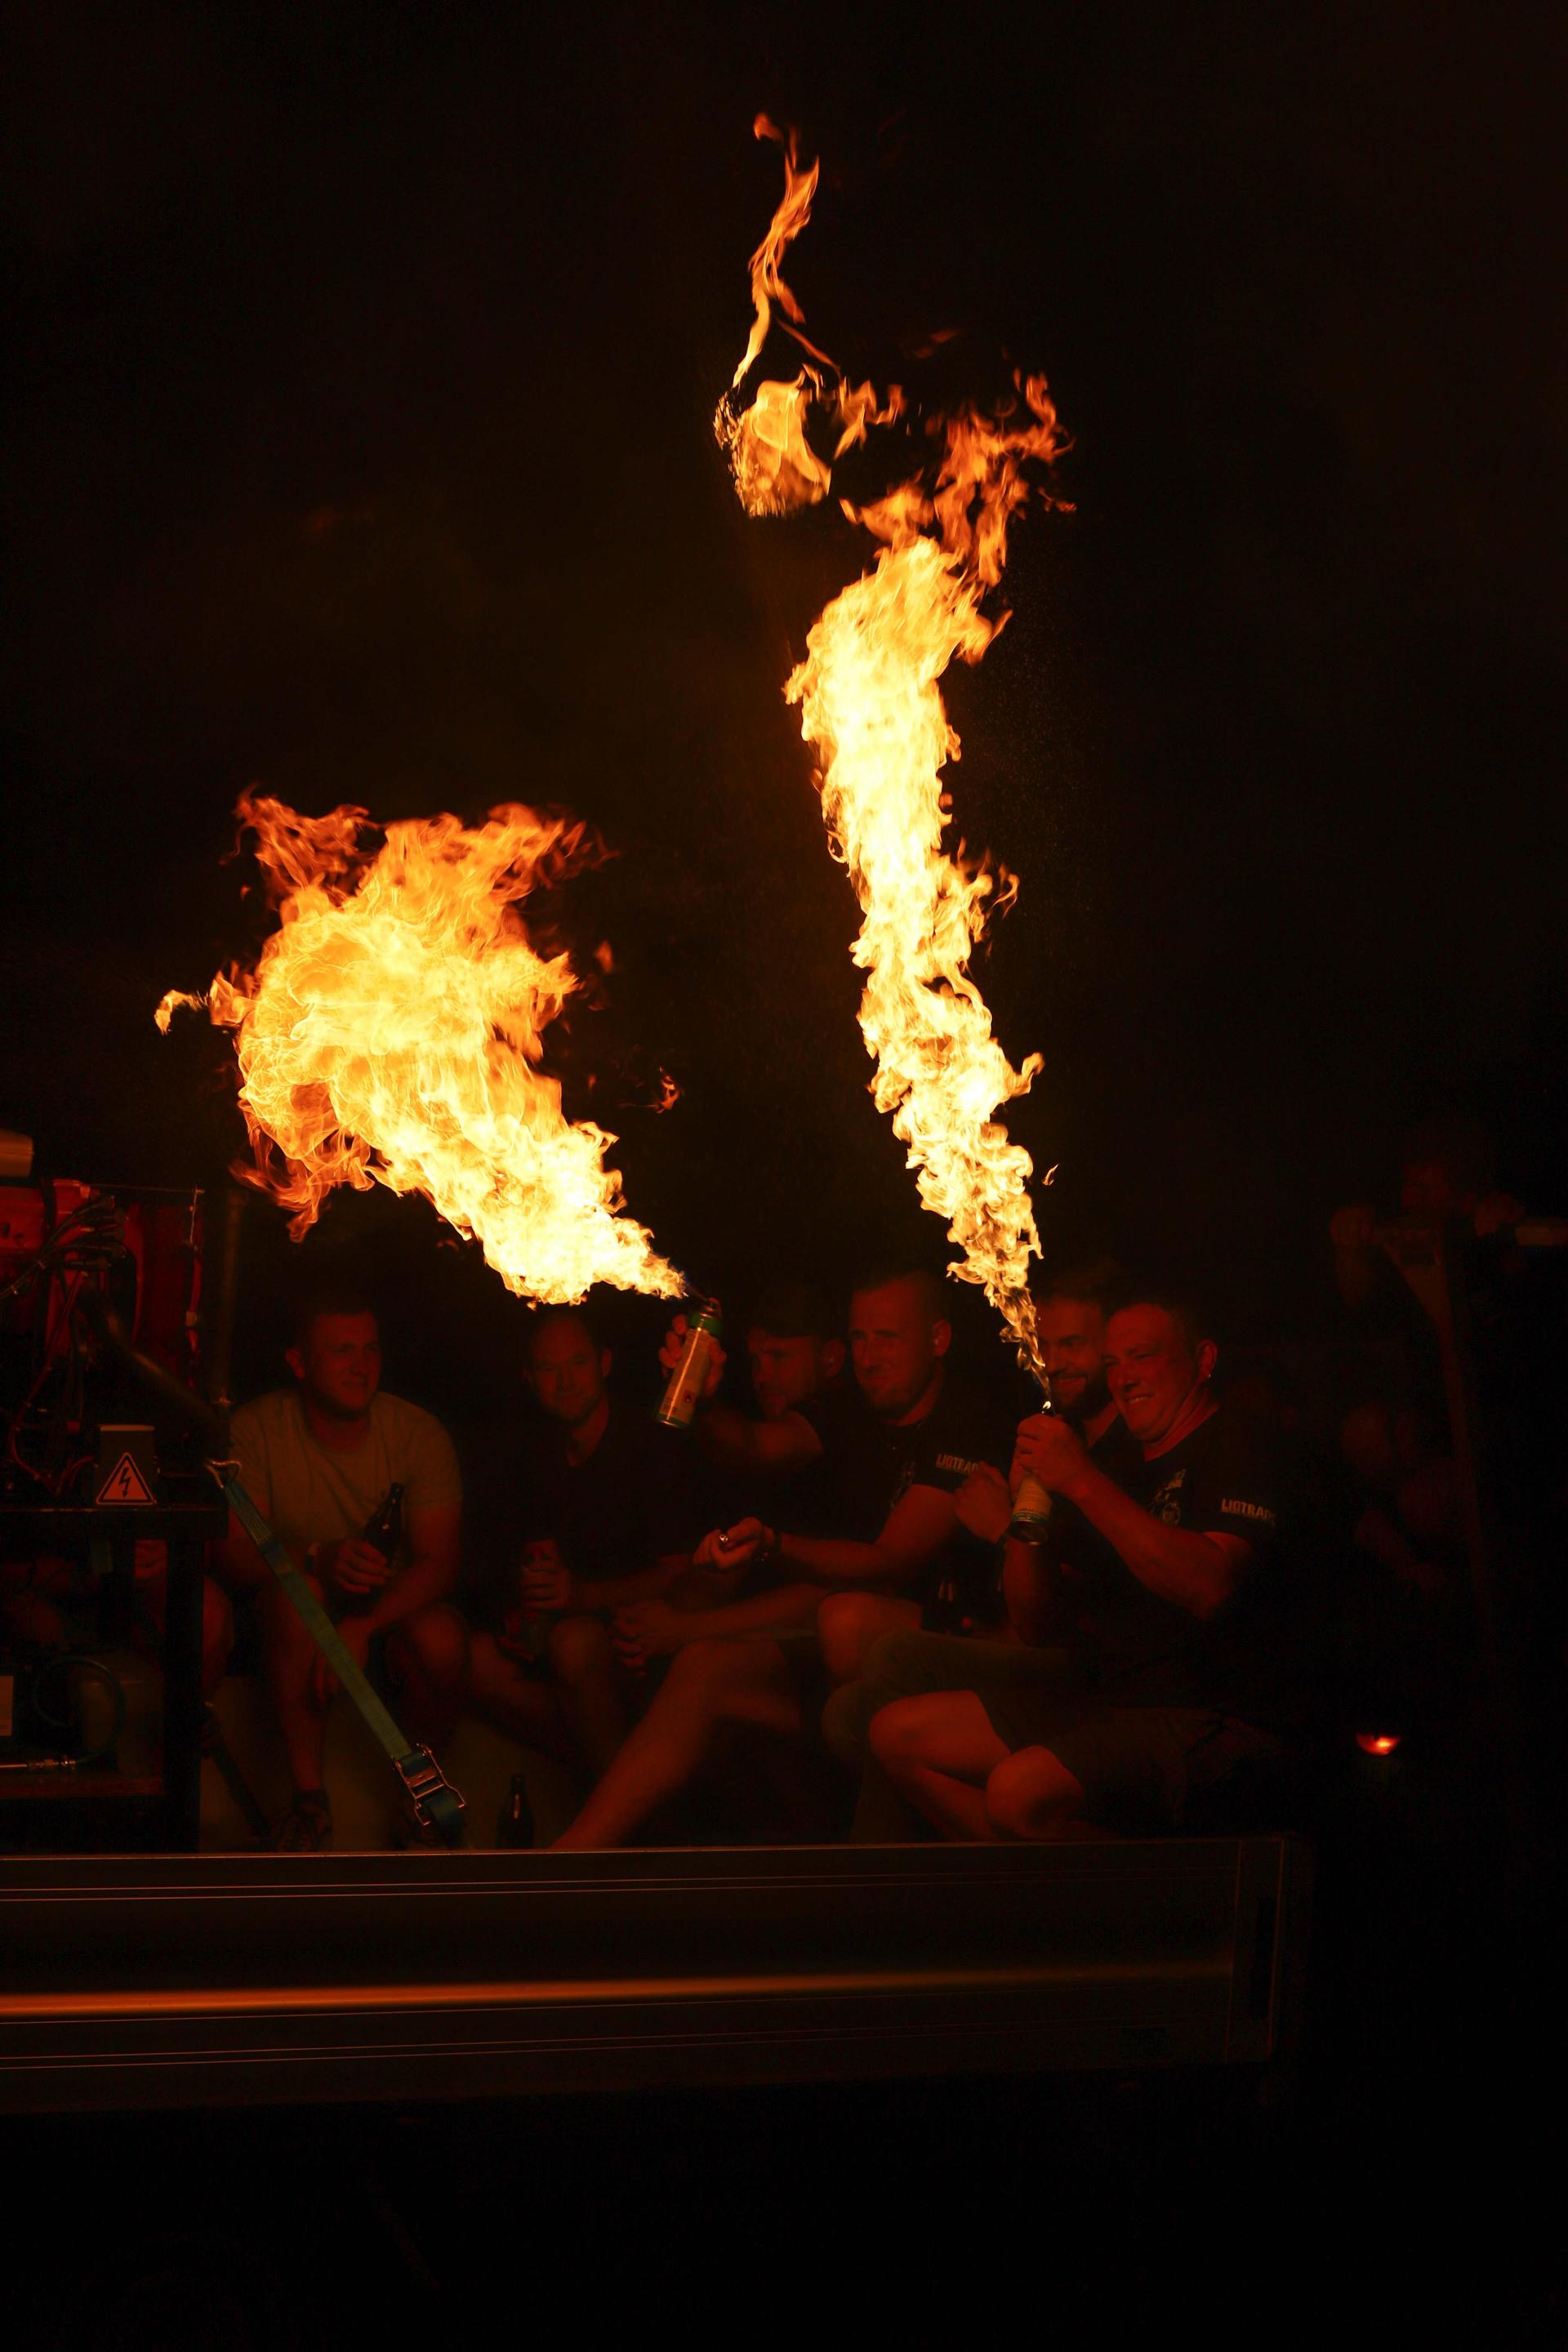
[358, 448]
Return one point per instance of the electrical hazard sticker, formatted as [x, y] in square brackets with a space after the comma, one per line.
[125, 1484]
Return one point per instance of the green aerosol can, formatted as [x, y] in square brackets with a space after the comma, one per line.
[678, 1407]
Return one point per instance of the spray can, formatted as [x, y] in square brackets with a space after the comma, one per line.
[678, 1407]
[1032, 1503]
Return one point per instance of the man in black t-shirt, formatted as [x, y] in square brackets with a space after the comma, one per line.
[777, 1462]
[1158, 1613]
[607, 1518]
[903, 1466]
[1070, 1315]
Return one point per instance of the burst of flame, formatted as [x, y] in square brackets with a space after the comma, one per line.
[777, 469]
[391, 1032]
[871, 709]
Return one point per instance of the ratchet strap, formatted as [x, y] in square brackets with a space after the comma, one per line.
[437, 1804]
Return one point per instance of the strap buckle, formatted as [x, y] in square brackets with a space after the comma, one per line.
[437, 1804]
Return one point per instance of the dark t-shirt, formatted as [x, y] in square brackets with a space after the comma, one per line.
[803, 1497]
[869, 1465]
[631, 1503]
[1226, 1478]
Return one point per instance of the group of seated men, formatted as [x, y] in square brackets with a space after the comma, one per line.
[854, 1620]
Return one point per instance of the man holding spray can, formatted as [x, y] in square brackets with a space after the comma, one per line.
[1156, 1659]
[1070, 1313]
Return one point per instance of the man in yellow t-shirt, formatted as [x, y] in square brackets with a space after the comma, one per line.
[319, 1460]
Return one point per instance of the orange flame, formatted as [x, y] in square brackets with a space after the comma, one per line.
[391, 1032]
[777, 469]
[871, 709]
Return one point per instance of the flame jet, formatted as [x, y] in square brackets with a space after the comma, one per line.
[871, 709]
[391, 1032]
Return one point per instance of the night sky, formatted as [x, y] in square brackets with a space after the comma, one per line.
[358, 448]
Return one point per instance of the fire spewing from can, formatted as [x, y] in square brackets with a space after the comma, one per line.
[391, 1032]
[872, 710]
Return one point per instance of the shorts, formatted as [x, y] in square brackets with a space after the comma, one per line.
[1138, 1766]
[912, 1664]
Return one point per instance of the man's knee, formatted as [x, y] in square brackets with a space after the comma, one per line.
[283, 1630]
[899, 1733]
[580, 1649]
[1031, 1793]
[434, 1642]
[848, 1625]
[842, 1616]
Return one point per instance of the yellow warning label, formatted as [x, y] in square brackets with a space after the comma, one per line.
[125, 1484]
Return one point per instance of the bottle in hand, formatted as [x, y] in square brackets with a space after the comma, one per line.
[384, 1532]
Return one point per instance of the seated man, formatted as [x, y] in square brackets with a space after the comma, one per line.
[781, 1460]
[1166, 1579]
[1070, 1315]
[608, 1519]
[319, 1460]
[774, 1463]
[920, 1441]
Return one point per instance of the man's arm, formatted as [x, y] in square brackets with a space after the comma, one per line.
[918, 1526]
[432, 1570]
[788, 1443]
[642, 1584]
[726, 1434]
[1198, 1572]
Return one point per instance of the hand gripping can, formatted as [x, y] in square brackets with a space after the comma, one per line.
[1032, 1503]
[1031, 1511]
[678, 1407]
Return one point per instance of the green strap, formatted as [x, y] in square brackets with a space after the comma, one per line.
[436, 1802]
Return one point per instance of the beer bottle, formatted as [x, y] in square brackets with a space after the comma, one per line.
[944, 1613]
[678, 1407]
[517, 1815]
[384, 1531]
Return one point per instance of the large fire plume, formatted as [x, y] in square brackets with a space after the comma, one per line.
[871, 709]
[391, 1032]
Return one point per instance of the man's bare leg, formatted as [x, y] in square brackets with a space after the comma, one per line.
[847, 1623]
[290, 1656]
[428, 1652]
[522, 1705]
[940, 1752]
[710, 1685]
[592, 1682]
[1031, 1794]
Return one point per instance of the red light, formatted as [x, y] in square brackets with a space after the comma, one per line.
[1377, 1743]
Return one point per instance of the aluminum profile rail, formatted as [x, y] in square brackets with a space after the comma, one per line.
[129, 1984]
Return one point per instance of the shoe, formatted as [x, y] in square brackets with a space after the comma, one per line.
[307, 1826]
